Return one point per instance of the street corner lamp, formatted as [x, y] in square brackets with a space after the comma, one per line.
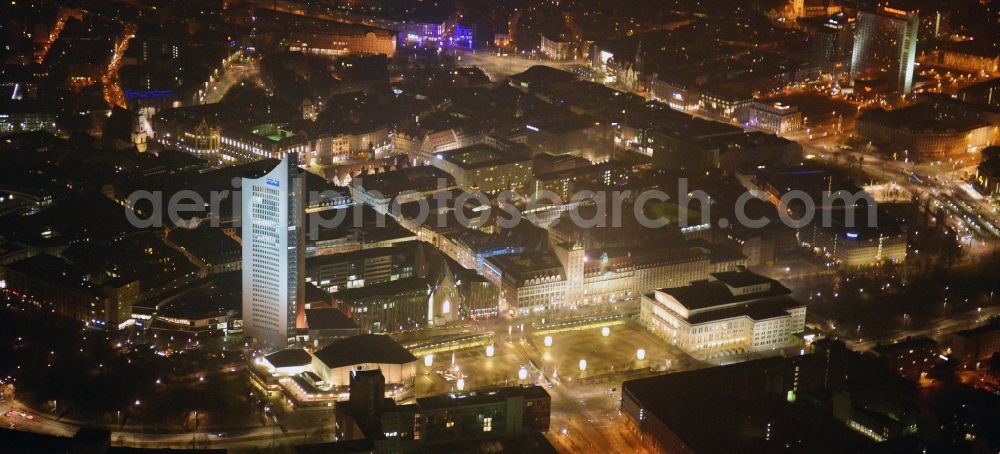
[583, 365]
[522, 373]
[460, 384]
[547, 341]
[606, 331]
[640, 354]
[428, 360]
[490, 351]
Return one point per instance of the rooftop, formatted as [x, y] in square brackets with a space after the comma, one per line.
[481, 397]
[364, 349]
[478, 156]
[527, 265]
[289, 357]
[328, 318]
[700, 295]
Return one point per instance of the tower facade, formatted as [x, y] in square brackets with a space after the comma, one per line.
[885, 46]
[273, 252]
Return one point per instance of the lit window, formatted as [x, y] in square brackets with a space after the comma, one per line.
[487, 424]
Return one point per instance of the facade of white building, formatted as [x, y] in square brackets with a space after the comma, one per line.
[273, 252]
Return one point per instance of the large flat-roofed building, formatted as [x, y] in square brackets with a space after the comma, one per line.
[986, 93]
[381, 190]
[775, 117]
[323, 37]
[472, 421]
[62, 287]
[357, 269]
[885, 46]
[860, 245]
[487, 169]
[273, 234]
[504, 412]
[978, 344]
[320, 378]
[766, 405]
[529, 282]
[557, 47]
[335, 362]
[936, 130]
[732, 313]
[389, 306]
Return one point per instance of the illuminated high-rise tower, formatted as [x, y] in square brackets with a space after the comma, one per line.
[885, 46]
[273, 252]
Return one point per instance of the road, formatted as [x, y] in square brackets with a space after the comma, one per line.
[45, 423]
[216, 89]
[938, 329]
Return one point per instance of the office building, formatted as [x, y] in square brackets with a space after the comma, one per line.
[440, 423]
[775, 117]
[529, 282]
[273, 252]
[557, 47]
[486, 169]
[52, 283]
[821, 402]
[885, 47]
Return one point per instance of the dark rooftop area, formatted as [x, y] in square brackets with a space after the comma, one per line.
[365, 348]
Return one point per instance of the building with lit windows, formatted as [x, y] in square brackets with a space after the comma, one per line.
[724, 103]
[486, 169]
[273, 233]
[937, 130]
[557, 49]
[775, 117]
[322, 37]
[529, 282]
[732, 313]
[356, 269]
[678, 96]
[885, 46]
[389, 306]
[52, 283]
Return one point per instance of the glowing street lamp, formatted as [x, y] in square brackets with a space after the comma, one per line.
[583, 365]
[640, 354]
[522, 373]
[428, 360]
[547, 341]
[606, 331]
[460, 384]
[490, 350]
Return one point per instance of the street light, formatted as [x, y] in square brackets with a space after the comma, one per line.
[583, 365]
[522, 373]
[460, 384]
[640, 354]
[428, 360]
[606, 331]
[490, 350]
[547, 341]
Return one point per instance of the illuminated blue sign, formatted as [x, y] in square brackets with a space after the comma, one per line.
[272, 182]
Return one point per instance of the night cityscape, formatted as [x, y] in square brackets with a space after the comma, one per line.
[484, 226]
